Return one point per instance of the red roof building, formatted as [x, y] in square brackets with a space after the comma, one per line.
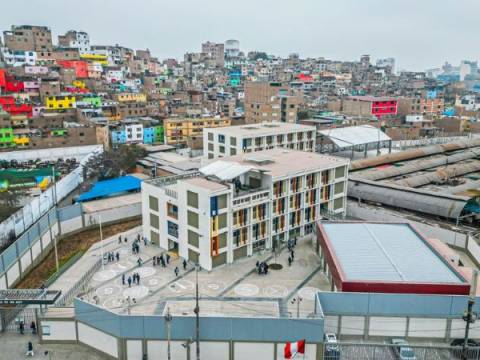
[9, 105]
[81, 67]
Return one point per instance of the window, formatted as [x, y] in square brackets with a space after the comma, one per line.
[221, 139]
[221, 149]
[154, 238]
[338, 203]
[210, 147]
[339, 187]
[172, 229]
[192, 219]
[172, 211]
[222, 240]
[233, 141]
[193, 238]
[222, 201]
[154, 221]
[340, 172]
[222, 221]
[192, 199]
[153, 202]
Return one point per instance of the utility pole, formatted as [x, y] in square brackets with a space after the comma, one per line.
[197, 314]
[470, 316]
[168, 319]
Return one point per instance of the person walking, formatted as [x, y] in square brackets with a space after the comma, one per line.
[168, 259]
[129, 281]
[120, 239]
[123, 279]
[138, 279]
[162, 260]
[117, 255]
[21, 327]
[33, 328]
[184, 264]
[289, 261]
[292, 254]
[139, 262]
[176, 271]
[30, 349]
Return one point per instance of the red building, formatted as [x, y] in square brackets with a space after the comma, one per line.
[386, 258]
[3, 80]
[12, 85]
[81, 67]
[9, 104]
[370, 106]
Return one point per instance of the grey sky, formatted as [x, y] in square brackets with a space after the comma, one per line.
[418, 33]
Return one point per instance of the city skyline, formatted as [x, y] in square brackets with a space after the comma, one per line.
[336, 35]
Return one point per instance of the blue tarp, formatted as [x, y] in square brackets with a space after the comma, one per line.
[106, 188]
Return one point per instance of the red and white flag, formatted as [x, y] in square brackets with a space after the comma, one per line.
[292, 349]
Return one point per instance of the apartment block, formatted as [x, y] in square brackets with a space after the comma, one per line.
[236, 140]
[28, 38]
[215, 52]
[421, 106]
[370, 106]
[76, 40]
[60, 102]
[269, 101]
[243, 204]
[179, 130]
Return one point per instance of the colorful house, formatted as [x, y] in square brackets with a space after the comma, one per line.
[9, 104]
[6, 137]
[81, 67]
[60, 102]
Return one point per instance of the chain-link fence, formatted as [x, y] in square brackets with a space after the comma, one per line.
[365, 351]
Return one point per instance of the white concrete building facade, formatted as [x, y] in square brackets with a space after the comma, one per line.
[243, 204]
[234, 140]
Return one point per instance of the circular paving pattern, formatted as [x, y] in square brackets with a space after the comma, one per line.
[113, 303]
[108, 290]
[213, 286]
[308, 292]
[137, 292]
[145, 271]
[123, 265]
[246, 290]
[104, 275]
[277, 291]
[181, 285]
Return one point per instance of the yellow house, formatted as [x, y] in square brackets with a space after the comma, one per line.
[60, 102]
[102, 59]
[133, 97]
[79, 84]
[178, 130]
[21, 140]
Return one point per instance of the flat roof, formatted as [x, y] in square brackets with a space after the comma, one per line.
[206, 184]
[371, 98]
[281, 162]
[355, 135]
[390, 252]
[262, 129]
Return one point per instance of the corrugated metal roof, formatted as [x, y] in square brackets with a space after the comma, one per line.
[225, 170]
[110, 187]
[386, 252]
[355, 135]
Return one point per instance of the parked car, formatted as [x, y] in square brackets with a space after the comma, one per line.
[403, 350]
[457, 347]
[332, 350]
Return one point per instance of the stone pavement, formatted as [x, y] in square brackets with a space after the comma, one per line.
[13, 346]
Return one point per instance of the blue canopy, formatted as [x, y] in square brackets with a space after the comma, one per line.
[111, 187]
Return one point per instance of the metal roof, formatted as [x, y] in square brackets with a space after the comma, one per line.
[387, 252]
[111, 187]
[225, 170]
[355, 135]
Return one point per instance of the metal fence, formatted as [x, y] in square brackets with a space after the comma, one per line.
[80, 286]
[366, 351]
[11, 318]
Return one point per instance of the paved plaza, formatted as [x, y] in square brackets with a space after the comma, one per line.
[234, 289]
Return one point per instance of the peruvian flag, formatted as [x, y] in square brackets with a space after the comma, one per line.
[292, 349]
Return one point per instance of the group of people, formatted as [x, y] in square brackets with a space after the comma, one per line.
[111, 256]
[161, 260]
[33, 327]
[134, 278]
[262, 268]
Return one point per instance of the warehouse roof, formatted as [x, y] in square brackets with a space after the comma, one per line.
[355, 135]
[111, 187]
[386, 252]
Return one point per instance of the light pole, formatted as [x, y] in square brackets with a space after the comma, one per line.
[297, 300]
[469, 316]
[186, 345]
[54, 195]
[197, 314]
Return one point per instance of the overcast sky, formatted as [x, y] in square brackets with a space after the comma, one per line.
[420, 34]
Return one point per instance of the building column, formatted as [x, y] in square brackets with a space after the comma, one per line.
[366, 328]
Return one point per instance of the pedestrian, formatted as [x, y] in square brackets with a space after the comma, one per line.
[168, 259]
[184, 264]
[257, 264]
[125, 239]
[176, 271]
[145, 240]
[266, 268]
[292, 254]
[22, 327]
[129, 281]
[120, 239]
[154, 259]
[33, 327]
[29, 349]
[138, 237]
[289, 261]
[138, 279]
[123, 279]
[295, 241]
[118, 256]
[139, 261]
[162, 260]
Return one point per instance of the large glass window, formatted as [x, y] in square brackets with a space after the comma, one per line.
[192, 219]
[222, 201]
[222, 221]
[172, 229]
[339, 187]
[172, 211]
[192, 199]
[340, 172]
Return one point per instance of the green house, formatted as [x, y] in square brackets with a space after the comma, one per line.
[59, 132]
[158, 134]
[6, 137]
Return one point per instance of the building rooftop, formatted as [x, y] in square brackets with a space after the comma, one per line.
[282, 162]
[371, 98]
[387, 252]
[355, 135]
[206, 184]
[262, 129]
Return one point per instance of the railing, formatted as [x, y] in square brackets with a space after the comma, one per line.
[171, 193]
[168, 180]
[79, 286]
